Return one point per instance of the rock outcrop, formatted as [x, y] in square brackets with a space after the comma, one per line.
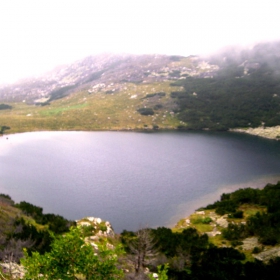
[99, 230]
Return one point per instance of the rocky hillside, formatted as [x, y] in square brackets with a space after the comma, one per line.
[234, 89]
[104, 73]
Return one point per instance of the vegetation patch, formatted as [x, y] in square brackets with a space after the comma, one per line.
[202, 220]
[3, 129]
[226, 102]
[159, 94]
[5, 106]
[57, 111]
[146, 111]
[61, 92]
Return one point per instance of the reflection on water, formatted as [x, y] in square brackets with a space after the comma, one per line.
[132, 179]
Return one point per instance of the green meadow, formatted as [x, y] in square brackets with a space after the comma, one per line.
[96, 111]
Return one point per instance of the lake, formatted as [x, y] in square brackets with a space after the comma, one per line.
[132, 179]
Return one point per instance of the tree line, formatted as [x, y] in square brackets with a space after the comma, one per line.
[231, 99]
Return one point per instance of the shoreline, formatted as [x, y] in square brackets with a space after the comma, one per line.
[184, 209]
[272, 133]
[190, 207]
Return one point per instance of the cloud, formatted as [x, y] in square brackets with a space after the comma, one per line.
[37, 35]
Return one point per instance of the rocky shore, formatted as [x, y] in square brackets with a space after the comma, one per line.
[262, 131]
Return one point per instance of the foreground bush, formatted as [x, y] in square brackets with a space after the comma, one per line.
[70, 257]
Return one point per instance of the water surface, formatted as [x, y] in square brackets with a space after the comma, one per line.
[132, 179]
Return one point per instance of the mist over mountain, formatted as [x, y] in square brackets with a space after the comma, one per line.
[233, 88]
[105, 69]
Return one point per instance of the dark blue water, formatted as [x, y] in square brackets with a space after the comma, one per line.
[132, 179]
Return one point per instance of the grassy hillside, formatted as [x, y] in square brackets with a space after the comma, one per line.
[237, 89]
[97, 111]
[247, 219]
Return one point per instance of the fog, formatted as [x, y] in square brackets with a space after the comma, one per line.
[39, 35]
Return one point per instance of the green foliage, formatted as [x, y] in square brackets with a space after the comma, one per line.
[235, 232]
[159, 94]
[224, 207]
[3, 128]
[41, 239]
[102, 226]
[56, 223]
[188, 241]
[5, 106]
[230, 202]
[219, 263]
[225, 101]
[69, 257]
[167, 241]
[236, 215]
[201, 220]
[30, 209]
[270, 197]
[162, 272]
[87, 230]
[256, 250]
[206, 220]
[247, 195]
[158, 106]
[260, 270]
[264, 225]
[146, 111]
[126, 237]
[5, 196]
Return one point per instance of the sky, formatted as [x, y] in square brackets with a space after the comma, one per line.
[37, 35]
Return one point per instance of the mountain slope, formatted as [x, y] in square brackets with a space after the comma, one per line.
[236, 88]
[98, 93]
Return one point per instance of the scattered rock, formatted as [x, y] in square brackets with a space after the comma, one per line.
[250, 243]
[101, 228]
[17, 271]
[266, 132]
[214, 232]
[222, 221]
[268, 254]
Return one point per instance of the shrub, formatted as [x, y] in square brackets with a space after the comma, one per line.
[206, 220]
[235, 232]
[146, 111]
[102, 226]
[237, 215]
[109, 91]
[235, 243]
[226, 206]
[160, 94]
[256, 250]
[3, 128]
[5, 107]
[200, 220]
[71, 256]
[158, 106]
